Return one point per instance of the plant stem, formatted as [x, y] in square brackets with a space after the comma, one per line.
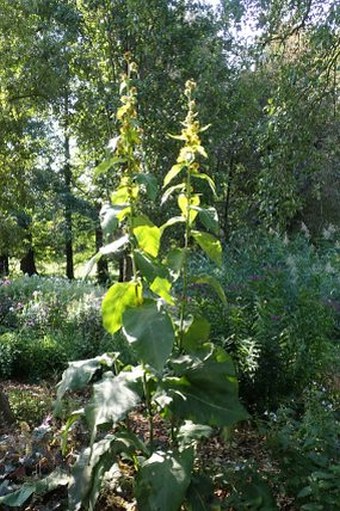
[148, 407]
[185, 262]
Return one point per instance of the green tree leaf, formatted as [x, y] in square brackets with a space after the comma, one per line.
[162, 287]
[204, 391]
[150, 332]
[211, 245]
[197, 334]
[120, 296]
[150, 183]
[147, 234]
[173, 172]
[211, 281]
[163, 481]
[209, 218]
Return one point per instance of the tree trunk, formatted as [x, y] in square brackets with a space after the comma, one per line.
[4, 265]
[27, 263]
[6, 415]
[102, 266]
[68, 197]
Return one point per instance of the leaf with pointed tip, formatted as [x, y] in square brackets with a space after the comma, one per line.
[120, 296]
[172, 221]
[150, 332]
[175, 261]
[149, 268]
[175, 470]
[209, 218]
[196, 334]
[162, 287]
[211, 245]
[208, 179]
[113, 397]
[212, 282]
[108, 219]
[115, 246]
[204, 390]
[188, 210]
[150, 183]
[167, 194]
[173, 172]
[148, 238]
[79, 373]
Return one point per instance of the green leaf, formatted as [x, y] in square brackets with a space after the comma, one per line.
[209, 218]
[208, 179]
[108, 219]
[120, 296]
[200, 493]
[79, 374]
[163, 481]
[196, 335]
[113, 397]
[149, 330]
[104, 166]
[186, 209]
[170, 191]
[150, 183]
[204, 391]
[172, 221]
[115, 246]
[51, 482]
[212, 282]
[211, 245]
[147, 234]
[190, 432]
[173, 172]
[162, 287]
[175, 261]
[147, 267]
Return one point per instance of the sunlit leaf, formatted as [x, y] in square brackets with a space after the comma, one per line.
[163, 481]
[212, 282]
[150, 332]
[173, 172]
[188, 208]
[162, 287]
[120, 296]
[211, 245]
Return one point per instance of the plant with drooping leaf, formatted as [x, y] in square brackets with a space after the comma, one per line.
[180, 376]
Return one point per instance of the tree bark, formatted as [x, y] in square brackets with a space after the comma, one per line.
[27, 263]
[67, 171]
[102, 266]
[4, 265]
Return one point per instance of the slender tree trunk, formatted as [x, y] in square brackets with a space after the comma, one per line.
[27, 263]
[102, 266]
[68, 194]
[4, 264]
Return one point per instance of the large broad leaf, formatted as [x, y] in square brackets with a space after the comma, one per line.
[148, 235]
[113, 397]
[108, 219]
[147, 266]
[92, 464]
[149, 330]
[200, 494]
[79, 373]
[209, 218]
[204, 391]
[196, 334]
[211, 245]
[175, 261]
[51, 482]
[163, 481]
[150, 183]
[120, 296]
[162, 287]
[213, 283]
[190, 432]
[208, 179]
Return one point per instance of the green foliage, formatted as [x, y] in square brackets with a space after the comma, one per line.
[281, 315]
[305, 441]
[180, 375]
